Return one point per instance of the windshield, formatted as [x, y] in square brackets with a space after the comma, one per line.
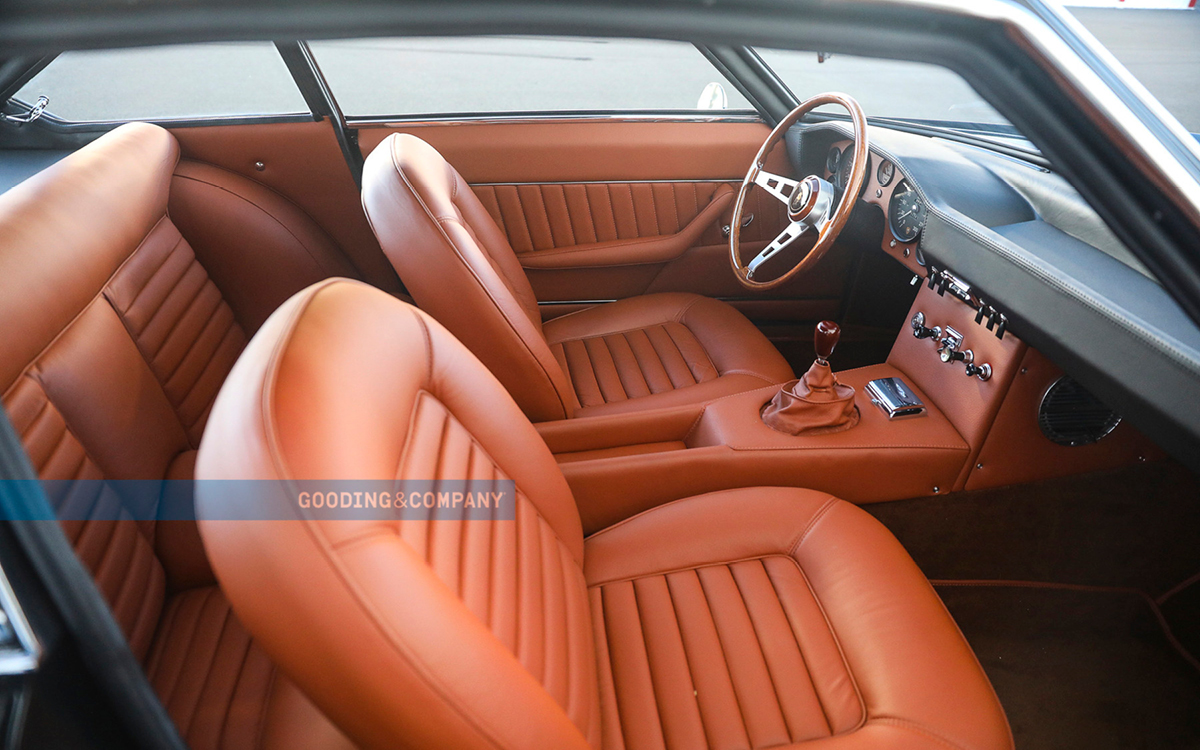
[888, 88]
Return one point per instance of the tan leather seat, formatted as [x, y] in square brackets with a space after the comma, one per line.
[640, 353]
[750, 618]
[116, 341]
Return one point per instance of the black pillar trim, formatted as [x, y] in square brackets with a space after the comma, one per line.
[312, 84]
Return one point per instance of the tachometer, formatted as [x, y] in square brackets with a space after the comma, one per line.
[832, 161]
[843, 175]
[905, 212]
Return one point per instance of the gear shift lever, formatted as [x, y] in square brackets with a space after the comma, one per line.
[816, 403]
[825, 339]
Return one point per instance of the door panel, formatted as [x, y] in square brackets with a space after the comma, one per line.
[597, 209]
[304, 163]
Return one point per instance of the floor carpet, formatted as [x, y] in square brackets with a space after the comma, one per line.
[1080, 668]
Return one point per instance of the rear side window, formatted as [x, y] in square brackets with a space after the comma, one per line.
[178, 82]
[491, 75]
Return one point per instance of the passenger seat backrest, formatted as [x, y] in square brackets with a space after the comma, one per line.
[406, 632]
[459, 267]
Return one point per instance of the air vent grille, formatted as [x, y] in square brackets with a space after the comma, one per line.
[1070, 415]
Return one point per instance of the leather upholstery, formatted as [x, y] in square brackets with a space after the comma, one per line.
[768, 616]
[460, 268]
[117, 341]
[814, 404]
[752, 618]
[258, 246]
[544, 217]
[661, 350]
[502, 620]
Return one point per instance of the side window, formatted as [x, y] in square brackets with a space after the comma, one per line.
[489, 75]
[167, 83]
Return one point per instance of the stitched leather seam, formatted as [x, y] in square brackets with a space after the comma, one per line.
[646, 327]
[566, 410]
[862, 704]
[541, 196]
[751, 373]
[922, 446]
[800, 650]
[758, 558]
[758, 641]
[919, 728]
[186, 726]
[812, 522]
[737, 699]
[641, 619]
[158, 267]
[570, 224]
[616, 369]
[261, 731]
[587, 202]
[695, 424]
[672, 571]
[686, 660]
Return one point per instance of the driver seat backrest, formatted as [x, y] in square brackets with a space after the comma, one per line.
[483, 626]
[416, 194]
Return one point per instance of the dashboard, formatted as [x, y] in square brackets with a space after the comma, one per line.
[1019, 241]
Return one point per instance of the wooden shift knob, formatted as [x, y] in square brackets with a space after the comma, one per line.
[825, 338]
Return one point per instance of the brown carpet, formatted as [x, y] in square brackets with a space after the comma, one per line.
[1080, 669]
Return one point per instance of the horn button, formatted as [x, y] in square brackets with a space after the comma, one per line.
[811, 201]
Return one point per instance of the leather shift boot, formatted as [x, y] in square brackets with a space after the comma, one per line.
[814, 404]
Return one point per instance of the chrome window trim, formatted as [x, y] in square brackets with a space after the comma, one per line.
[424, 120]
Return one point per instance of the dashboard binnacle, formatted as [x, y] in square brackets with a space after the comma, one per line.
[884, 186]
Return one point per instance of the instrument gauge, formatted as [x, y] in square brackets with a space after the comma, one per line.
[886, 171]
[906, 213]
[842, 180]
[833, 160]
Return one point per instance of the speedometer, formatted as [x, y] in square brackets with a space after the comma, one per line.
[905, 212]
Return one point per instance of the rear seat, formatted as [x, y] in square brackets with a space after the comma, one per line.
[116, 341]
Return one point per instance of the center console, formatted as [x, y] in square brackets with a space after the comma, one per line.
[922, 419]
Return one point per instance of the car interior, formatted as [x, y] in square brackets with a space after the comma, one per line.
[825, 491]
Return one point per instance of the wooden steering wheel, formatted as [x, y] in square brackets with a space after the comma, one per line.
[810, 202]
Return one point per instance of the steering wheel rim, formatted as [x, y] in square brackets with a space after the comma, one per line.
[809, 201]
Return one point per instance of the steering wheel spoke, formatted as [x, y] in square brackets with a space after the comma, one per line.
[780, 187]
[793, 230]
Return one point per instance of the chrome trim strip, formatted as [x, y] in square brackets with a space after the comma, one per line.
[424, 121]
[550, 303]
[25, 659]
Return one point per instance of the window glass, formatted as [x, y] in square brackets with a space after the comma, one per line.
[409, 76]
[173, 82]
[885, 88]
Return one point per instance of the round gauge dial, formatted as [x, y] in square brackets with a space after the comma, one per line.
[843, 175]
[832, 161]
[905, 212]
[886, 171]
